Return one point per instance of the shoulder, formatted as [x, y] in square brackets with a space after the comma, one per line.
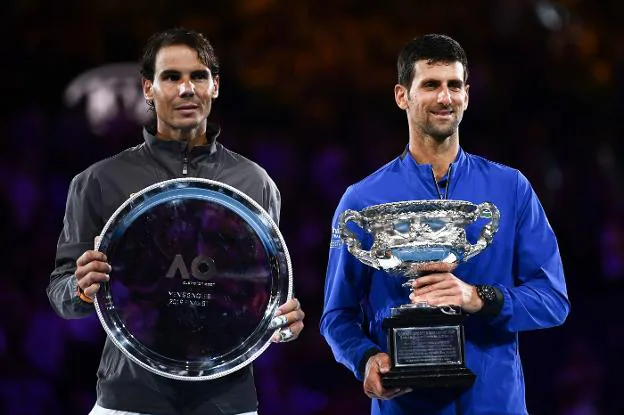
[128, 155]
[93, 174]
[384, 177]
[245, 166]
[497, 171]
[491, 166]
[380, 177]
[504, 176]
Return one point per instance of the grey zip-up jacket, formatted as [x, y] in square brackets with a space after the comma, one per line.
[93, 197]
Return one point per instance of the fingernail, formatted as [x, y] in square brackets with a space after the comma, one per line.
[285, 334]
[278, 312]
[277, 322]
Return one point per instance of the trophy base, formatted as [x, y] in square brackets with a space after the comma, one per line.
[461, 378]
[426, 348]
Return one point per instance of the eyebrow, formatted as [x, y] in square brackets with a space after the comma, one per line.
[168, 72]
[454, 82]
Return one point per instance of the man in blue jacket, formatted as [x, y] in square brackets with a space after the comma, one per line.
[516, 284]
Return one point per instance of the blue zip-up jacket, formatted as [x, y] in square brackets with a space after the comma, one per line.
[523, 262]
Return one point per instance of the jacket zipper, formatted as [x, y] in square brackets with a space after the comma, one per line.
[185, 162]
[448, 183]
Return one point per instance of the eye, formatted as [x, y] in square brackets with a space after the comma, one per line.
[455, 86]
[171, 77]
[200, 75]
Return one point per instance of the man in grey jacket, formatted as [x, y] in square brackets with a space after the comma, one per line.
[180, 80]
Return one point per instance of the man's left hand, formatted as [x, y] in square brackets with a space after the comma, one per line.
[444, 288]
[289, 320]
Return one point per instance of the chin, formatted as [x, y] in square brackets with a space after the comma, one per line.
[188, 124]
[442, 134]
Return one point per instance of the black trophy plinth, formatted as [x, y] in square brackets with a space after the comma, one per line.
[426, 347]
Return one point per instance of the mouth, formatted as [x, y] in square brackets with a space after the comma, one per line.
[186, 107]
[442, 113]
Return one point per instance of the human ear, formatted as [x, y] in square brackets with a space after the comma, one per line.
[401, 96]
[215, 86]
[148, 92]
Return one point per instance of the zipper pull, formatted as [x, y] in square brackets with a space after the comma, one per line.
[185, 164]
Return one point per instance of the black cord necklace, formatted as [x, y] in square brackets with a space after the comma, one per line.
[448, 183]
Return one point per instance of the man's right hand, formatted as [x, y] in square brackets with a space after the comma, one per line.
[91, 269]
[376, 366]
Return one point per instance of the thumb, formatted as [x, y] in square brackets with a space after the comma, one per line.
[384, 367]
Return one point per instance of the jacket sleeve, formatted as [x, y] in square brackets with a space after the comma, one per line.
[539, 298]
[272, 200]
[81, 224]
[346, 285]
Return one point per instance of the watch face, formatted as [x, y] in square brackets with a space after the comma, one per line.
[198, 271]
[486, 293]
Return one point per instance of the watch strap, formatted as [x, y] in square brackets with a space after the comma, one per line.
[492, 299]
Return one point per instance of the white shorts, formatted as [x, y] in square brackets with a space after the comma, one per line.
[98, 410]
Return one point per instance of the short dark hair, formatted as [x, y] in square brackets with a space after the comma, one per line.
[432, 48]
[177, 36]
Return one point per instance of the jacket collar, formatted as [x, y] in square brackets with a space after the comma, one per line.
[424, 172]
[178, 146]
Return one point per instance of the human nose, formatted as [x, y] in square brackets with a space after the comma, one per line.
[186, 88]
[444, 96]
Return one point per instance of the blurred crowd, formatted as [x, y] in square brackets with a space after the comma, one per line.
[306, 91]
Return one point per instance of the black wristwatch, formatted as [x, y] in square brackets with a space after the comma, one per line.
[492, 299]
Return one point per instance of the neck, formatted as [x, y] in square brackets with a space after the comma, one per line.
[193, 136]
[440, 154]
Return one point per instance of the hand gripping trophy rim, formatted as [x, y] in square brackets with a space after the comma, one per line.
[485, 210]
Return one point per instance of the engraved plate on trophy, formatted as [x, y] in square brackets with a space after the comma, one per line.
[198, 272]
[411, 239]
[427, 346]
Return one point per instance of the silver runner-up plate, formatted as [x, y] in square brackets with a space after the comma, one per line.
[198, 272]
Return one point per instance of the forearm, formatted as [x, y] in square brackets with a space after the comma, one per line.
[531, 307]
[347, 340]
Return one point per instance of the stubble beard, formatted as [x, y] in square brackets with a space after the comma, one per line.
[441, 133]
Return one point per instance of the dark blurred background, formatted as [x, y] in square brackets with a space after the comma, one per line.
[307, 92]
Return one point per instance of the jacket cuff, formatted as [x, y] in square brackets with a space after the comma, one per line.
[367, 355]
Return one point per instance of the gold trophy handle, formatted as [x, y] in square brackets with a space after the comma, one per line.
[485, 210]
[354, 245]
